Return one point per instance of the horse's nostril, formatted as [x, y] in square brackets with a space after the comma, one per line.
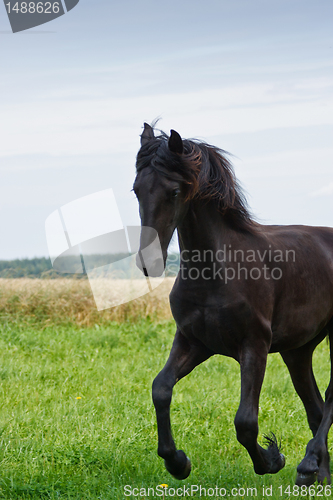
[145, 272]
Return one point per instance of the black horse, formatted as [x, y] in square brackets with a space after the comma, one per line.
[244, 290]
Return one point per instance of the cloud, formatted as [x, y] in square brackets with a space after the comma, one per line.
[109, 125]
[324, 191]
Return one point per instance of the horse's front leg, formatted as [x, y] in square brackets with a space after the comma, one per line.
[253, 363]
[184, 356]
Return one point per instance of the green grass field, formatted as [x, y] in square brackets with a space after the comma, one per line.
[54, 445]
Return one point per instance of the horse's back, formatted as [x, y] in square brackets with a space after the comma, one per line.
[304, 295]
[298, 305]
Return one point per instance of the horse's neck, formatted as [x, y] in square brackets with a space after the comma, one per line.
[203, 228]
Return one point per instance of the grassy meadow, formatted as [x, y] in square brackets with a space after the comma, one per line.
[77, 420]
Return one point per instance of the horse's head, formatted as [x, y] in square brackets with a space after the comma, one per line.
[162, 192]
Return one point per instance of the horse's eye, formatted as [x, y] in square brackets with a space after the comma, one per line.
[175, 193]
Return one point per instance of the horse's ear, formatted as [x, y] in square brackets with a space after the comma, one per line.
[175, 142]
[147, 134]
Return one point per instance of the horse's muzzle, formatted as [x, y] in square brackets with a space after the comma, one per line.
[151, 268]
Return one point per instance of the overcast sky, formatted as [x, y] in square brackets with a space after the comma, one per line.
[254, 78]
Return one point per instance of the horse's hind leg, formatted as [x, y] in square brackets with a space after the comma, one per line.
[299, 363]
[184, 356]
[316, 459]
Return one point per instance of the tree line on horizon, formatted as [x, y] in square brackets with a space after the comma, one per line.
[41, 267]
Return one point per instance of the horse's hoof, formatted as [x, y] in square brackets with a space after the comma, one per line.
[185, 473]
[305, 479]
[283, 460]
[324, 479]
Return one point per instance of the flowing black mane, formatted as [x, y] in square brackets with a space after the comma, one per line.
[206, 172]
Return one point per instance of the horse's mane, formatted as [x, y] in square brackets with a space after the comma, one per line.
[206, 172]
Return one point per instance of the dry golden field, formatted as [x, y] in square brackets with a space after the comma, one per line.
[71, 301]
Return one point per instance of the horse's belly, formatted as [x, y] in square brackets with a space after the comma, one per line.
[293, 338]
